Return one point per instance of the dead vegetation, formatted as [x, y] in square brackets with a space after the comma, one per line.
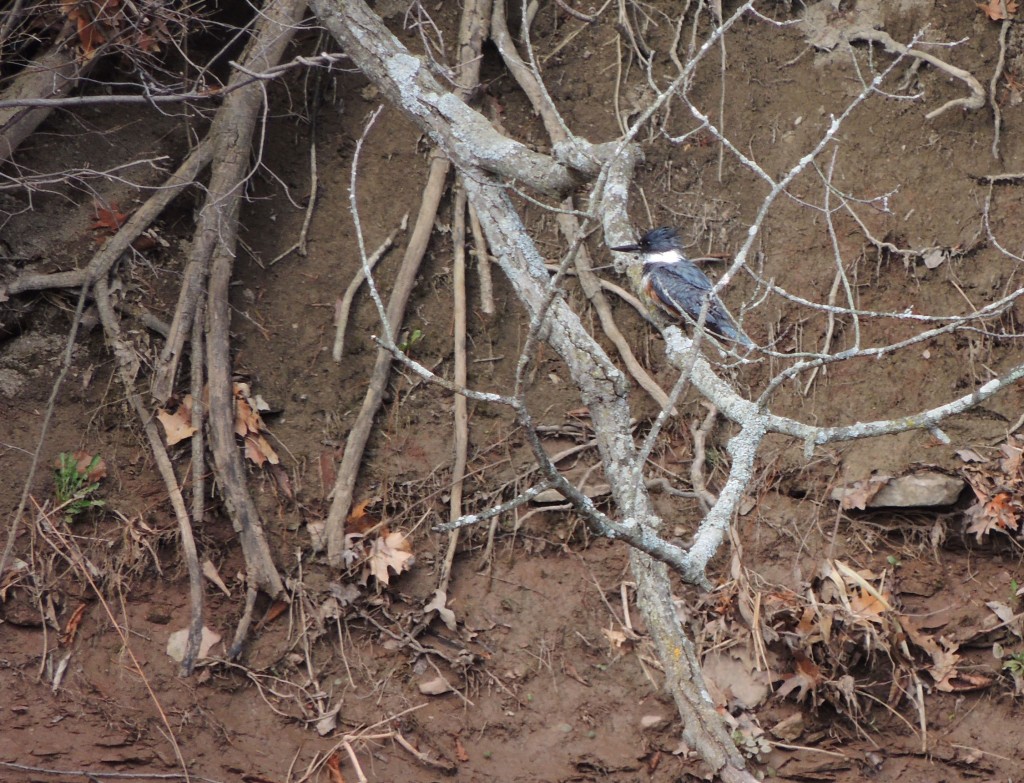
[836, 638]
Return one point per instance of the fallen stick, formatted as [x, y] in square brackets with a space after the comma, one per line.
[978, 95]
[473, 28]
[214, 245]
[53, 75]
[591, 285]
[460, 416]
[355, 445]
[567, 222]
[345, 306]
[128, 368]
[118, 244]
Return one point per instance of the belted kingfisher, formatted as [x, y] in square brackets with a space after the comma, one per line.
[677, 287]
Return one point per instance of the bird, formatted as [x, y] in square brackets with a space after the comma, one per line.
[677, 287]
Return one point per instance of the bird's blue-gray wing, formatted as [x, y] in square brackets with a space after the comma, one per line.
[683, 288]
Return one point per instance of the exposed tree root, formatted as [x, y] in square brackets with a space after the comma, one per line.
[52, 75]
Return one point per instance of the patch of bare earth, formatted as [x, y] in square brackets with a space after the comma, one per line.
[827, 635]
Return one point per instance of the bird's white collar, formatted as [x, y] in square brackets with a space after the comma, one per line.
[664, 257]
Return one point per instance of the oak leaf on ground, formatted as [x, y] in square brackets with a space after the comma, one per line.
[993, 9]
[390, 552]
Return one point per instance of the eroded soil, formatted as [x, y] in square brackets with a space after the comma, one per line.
[551, 676]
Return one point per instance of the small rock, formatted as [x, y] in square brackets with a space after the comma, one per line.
[653, 722]
[923, 489]
[929, 488]
[435, 687]
[549, 496]
[789, 729]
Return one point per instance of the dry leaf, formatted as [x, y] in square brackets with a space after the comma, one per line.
[108, 219]
[329, 610]
[93, 473]
[178, 641]
[359, 521]
[970, 455]
[460, 751]
[993, 9]
[211, 573]
[90, 37]
[616, 638]
[1008, 617]
[943, 669]
[12, 576]
[259, 451]
[808, 623]
[858, 494]
[83, 461]
[389, 553]
[327, 472]
[345, 594]
[805, 678]
[334, 768]
[275, 610]
[1010, 462]
[867, 606]
[71, 629]
[964, 682]
[282, 480]
[439, 604]
[944, 659]
[1001, 513]
[178, 425]
[328, 722]
[249, 425]
[317, 536]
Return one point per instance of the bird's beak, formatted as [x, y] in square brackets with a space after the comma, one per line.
[627, 249]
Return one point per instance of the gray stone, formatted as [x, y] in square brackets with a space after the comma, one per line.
[925, 488]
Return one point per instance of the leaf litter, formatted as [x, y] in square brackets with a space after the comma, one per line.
[822, 645]
[249, 425]
[998, 486]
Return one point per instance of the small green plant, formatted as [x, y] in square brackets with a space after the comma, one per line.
[73, 489]
[894, 561]
[1015, 664]
[1014, 587]
[414, 337]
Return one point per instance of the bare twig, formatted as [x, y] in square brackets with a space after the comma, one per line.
[574, 13]
[117, 245]
[345, 306]
[52, 75]
[147, 98]
[419, 755]
[128, 368]
[382, 52]
[603, 388]
[100, 775]
[459, 412]
[993, 85]
[972, 103]
[344, 486]
[697, 476]
[215, 245]
[314, 177]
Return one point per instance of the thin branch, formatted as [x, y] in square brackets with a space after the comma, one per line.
[345, 305]
[391, 319]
